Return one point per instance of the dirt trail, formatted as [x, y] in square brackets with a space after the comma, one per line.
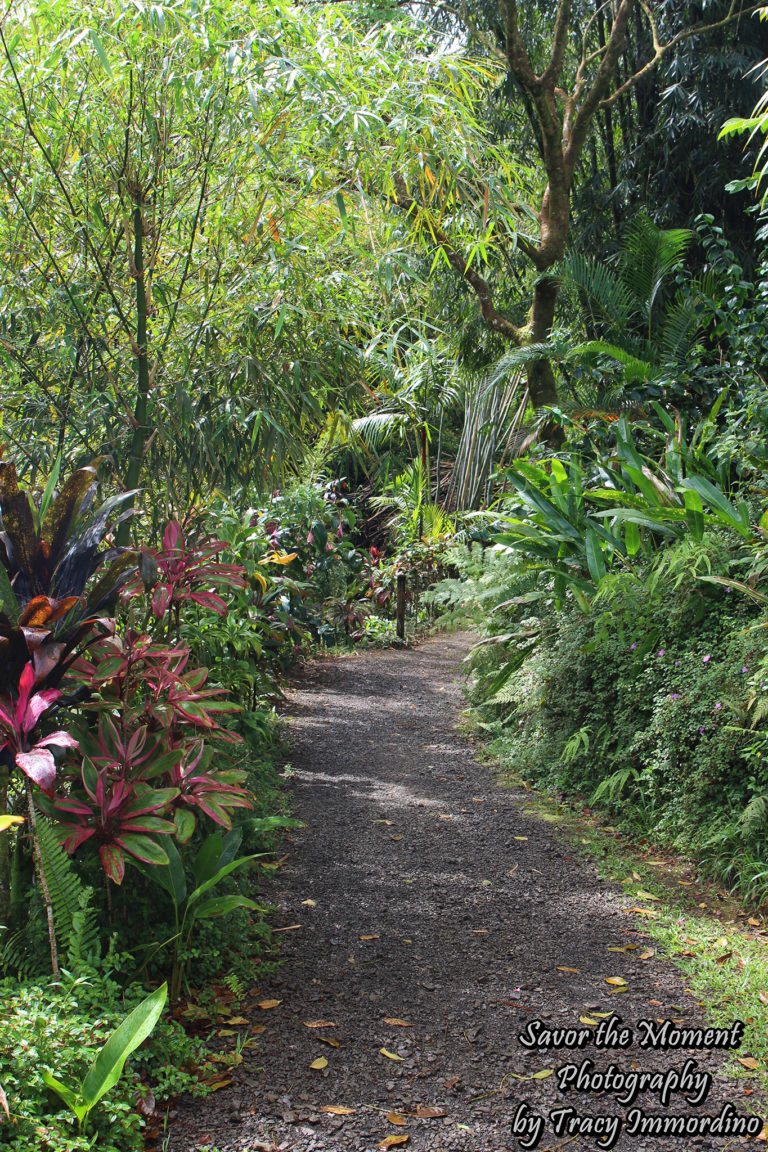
[437, 901]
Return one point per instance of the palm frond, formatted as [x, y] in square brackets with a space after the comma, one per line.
[607, 297]
[650, 254]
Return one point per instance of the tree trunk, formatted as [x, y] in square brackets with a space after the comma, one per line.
[5, 872]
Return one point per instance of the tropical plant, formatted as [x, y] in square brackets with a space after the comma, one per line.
[215, 860]
[107, 1067]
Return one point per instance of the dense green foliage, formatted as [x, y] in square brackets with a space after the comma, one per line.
[297, 304]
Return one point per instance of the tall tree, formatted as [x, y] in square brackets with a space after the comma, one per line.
[566, 73]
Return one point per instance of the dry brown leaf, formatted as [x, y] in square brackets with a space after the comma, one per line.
[227, 1032]
[389, 823]
[216, 1083]
[755, 923]
[618, 981]
[636, 876]
[393, 1020]
[397, 1118]
[446, 816]
[646, 895]
[395, 837]
[309, 903]
[617, 949]
[763, 1135]
[369, 937]
[337, 1110]
[649, 952]
[328, 1040]
[646, 912]
[427, 1112]
[561, 969]
[391, 1141]
[722, 959]
[268, 1004]
[762, 997]
[257, 1029]
[520, 837]
[319, 1024]
[236, 1020]
[389, 1055]
[479, 931]
[319, 1064]
[748, 1062]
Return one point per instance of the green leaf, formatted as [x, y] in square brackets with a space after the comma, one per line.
[222, 906]
[595, 559]
[722, 507]
[101, 53]
[631, 538]
[222, 872]
[108, 1065]
[149, 851]
[72, 1100]
[694, 513]
[185, 824]
[10, 604]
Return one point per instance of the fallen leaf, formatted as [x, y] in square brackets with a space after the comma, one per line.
[215, 1084]
[619, 981]
[616, 949]
[337, 1110]
[257, 1029]
[646, 912]
[701, 905]
[236, 1020]
[443, 816]
[309, 903]
[543, 1074]
[520, 837]
[748, 1062]
[603, 1015]
[649, 952]
[479, 931]
[636, 876]
[427, 1112]
[369, 937]
[395, 837]
[586, 1020]
[389, 823]
[391, 1141]
[268, 1004]
[227, 1032]
[397, 1118]
[328, 1040]
[319, 1064]
[755, 923]
[646, 895]
[389, 1055]
[762, 997]
[568, 969]
[763, 1135]
[722, 959]
[393, 1020]
[655, 1003]
[319, 1024]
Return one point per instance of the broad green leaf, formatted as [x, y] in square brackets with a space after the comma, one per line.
[595, 559]
[71, 1098]
[222, 906]
[134, 1030]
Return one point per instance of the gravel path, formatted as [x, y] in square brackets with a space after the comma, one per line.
[426, 895]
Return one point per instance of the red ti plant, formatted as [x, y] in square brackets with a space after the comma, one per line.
[146, 771]
[188, 573]
[18, 720]
[119, 815]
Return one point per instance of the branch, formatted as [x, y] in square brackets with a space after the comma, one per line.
[661, 50]
[605, 73]
[517, 57]
[559, 45]
[495, 321]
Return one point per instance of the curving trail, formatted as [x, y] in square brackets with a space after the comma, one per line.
[425, 894]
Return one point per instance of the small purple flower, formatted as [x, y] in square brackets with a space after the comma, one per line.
[718, 705]
[676, 663]
[661, 651]
[701, 731]
[745, 669]
[706, 660]
[675, 695]
[632, 647]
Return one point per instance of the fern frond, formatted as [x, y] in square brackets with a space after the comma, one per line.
[754, 818]
[75, 922]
